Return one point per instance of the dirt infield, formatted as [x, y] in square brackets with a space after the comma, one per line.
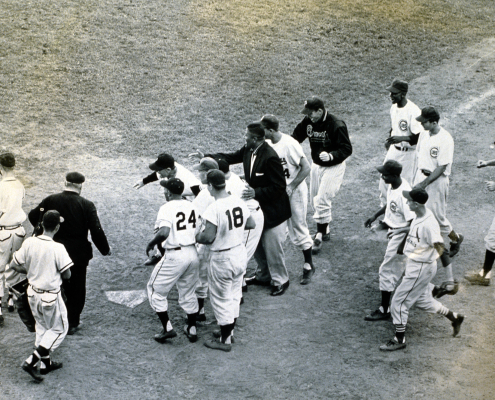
[103, 87]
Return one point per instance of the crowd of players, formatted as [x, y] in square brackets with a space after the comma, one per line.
[211, 226]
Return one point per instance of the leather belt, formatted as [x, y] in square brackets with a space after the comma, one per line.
[10, 228]
[402, 148]
[219, 251]
[425, 172]
[177, 248]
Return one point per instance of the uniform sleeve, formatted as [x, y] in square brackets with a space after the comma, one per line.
[300, 133]
[415, 126]
[446, 152]
[165, 217]
[275, 172]
[153, 177]
[19, 257]
[408, 214]
[295, 153]
[97, 234]
[344, 147]
[211, 214]
[64, 262]
[231, 158]
[431, 233]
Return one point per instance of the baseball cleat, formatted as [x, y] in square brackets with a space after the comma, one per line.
[252, 280]
[201, 317]
[218, 345]
[455, 246]
[191, 333]
[307, 274]
[377, 315]
[279, 290]
[217, 334]
[51, 367]
[449, 287]
[326, 237]
[476, 279]
[457, 324]
[317, 244]
[393, 344]
[10, 305]
[163, 336]
[32, 370]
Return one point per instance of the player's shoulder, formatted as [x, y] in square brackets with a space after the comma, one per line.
[411, 106]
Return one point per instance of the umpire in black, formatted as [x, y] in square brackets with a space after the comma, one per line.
[80, 216]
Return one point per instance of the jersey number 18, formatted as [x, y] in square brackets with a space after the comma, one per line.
[238, 217]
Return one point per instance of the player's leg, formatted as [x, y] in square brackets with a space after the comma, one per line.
[483, 277]
[273, 240]
[202, 285]
[389, 273]
[252, 237]
[262, 275]
[329, 184]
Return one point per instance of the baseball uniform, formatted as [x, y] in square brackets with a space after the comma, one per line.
[192, 184]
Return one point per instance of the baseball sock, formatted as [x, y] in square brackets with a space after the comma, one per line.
[308, 258]
[400, 333]
[201, 304]
[164, 320]
[322, 228]
[191, 319]
[226, 330]
[489, 260]
[45, 362]
[451, 316]
[386, 301]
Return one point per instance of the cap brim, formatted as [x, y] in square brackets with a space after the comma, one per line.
[406, 194]
[196, 167]
[154, 167]
[421, 119]
[392, 89]
[163, 182]
[306, 111]
[380, 169]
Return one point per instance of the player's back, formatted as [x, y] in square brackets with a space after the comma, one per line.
[181, 217]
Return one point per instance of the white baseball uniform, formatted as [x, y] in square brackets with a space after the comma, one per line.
[45, 260]
[403, 123]
[290, 152]
[434, 151]
[11, 230]
[228, 260]
[397, 216]
[188, 178]
[415, 288]
[179, 265]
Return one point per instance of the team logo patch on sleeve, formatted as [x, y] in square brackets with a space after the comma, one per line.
[403, 125]
[434, 152]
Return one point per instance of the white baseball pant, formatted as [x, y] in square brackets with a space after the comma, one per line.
[393, 264]
[178, 267]
[490, 238]
[415, 289]
[297, 224]
[202, 286]
[408, 161]
[50, 314]
[437, 200]
[324, 184]
[252, 236]
[10, 242]
[225, 272]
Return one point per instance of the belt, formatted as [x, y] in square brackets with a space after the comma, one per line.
[177, 248]
[55, 291]
[402, 148]
[10, 228]
[425, 172]
[220, 251]
[259, 207]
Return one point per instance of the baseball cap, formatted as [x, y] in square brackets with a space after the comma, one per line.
[164, 161]
[223, 165]
[418, 195]
[206, 164]
[398, 86]
[428, 114]
[216, 178]
[7, 160]
[270, 121]
[174, 185]
[314, 103]
[390, 167]
[51, 219]
[75, 177]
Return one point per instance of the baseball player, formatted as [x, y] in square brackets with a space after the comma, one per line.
[435, 151]
[404, 133]
[423, 246]
[330, 146]
[397, 219]
[483, 277]
[296, 169]
[177, 221]
[226, 220]
[46, 263]
[11, 230]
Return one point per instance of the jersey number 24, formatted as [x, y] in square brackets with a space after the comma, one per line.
[181, 220]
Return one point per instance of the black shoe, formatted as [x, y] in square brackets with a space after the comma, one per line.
[32, 370]
[163, 336]
[72, 330]
[377, 315]
[52, 367]
[326, 237]
[307, 275]
[252, 280]
[245, 288]
[193, 337]
[201, 318]
[280, 289]
[457, 324]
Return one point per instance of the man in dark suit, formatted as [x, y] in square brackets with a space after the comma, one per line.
[80, 216]
[266, 183]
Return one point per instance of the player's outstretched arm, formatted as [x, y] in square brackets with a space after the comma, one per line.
[196, 156]
[483, 163]
[139, 184]
[369, 221]
[490, 185]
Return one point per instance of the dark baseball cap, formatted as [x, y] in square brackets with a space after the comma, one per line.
[398, 86]
[206, 164]
[428, 114]
[223, 165]
[174, 185]
[270, 121]
[51, 219]
[164, 161]
[7, 160]
[216, 178]
[418, 195]
[390, 167]
[314, 103]
[75, 177]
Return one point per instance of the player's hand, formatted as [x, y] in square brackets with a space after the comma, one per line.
[324, 156]
[481, 164]
[248, 193]
[368, 222]
[139, 184]
[149, 247]
[109, 252]
[289, 190]
[421, 185]
[197, 156]
[392, 140]
[490, 185]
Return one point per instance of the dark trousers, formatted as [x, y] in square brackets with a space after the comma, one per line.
[75, 290]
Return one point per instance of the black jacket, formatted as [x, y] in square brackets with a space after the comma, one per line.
[80, 216]
[267, 179]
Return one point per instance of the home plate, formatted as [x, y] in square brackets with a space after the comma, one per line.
[128, 298]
